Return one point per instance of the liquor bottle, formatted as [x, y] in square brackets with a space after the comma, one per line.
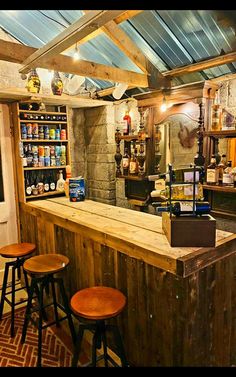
[186, 208]
[227, 176]
[133, 164]
[125, 162]
[68, 176]
[127, 123]
[60, 182]
[221, 167]
[24, 158]
[33, 83]
[56, 84]
[216, 114]
[52, 182]
[212, 172]
[46, 183]
[28, 188]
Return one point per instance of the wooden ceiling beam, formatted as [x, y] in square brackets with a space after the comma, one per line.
[123, 17]
[88, 23]
[230, 76]
[17, 53]
[199, 66]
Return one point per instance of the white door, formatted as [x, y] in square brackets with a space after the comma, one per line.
[8, 219]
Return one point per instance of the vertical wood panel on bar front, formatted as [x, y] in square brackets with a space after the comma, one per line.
[169, 320]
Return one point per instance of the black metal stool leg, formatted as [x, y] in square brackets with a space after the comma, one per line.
[77, 346]
[18, 268]
[104, 341]
[28, 307]
[4, 288]
[67, 308]
[40, 324]
[121, 350]
[43, 310]
[26, 281]
[13, 299]
[55, 303]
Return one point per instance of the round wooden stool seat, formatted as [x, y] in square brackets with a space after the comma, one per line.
[98, 303]
[46, 264]
[17, 250]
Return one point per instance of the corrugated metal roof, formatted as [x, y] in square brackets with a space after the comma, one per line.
[168, 38]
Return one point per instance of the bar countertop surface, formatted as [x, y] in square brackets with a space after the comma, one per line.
[134, 233]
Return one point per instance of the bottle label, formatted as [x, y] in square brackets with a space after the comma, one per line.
[46, 187]
[186, 207]
[227, 178]
[28, 190]
[188, 190]
[132, 167]
[211, 175]
[125, 162]
[52, 186]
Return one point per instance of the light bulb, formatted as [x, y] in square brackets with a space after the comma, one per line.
[119, 90]
[76, 53]
[163, 106]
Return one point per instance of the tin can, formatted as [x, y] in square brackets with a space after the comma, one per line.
[63, 159]
[63, 134]
[46, 132]
[41, 151]
[23, 131]
[47, 151]
[29, 131]
[35, 149]
[46, 161]
[41, 132]
[52, 150]
[35, 130]
[35, 160]
[53, 161]
[63, 149]
[41, 161]
[52, 133]
[58, 161]
[57, 150]
[58, 134]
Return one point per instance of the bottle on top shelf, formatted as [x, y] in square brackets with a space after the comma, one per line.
[57, 84]
[127, 123]
[216, 114]
[68, 176]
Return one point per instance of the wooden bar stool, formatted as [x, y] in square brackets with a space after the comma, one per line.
[98, 304]
[42, 268]
[20, 251]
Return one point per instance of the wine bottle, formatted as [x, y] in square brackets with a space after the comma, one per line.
[46, 183]
[52, 183]
[186, 208]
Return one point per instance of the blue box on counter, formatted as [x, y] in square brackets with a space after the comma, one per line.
[76, 189]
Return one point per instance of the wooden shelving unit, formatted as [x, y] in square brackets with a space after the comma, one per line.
[39, 171]
[220, 188]
[221, 134]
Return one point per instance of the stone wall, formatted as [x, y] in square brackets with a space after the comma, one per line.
[100, 150]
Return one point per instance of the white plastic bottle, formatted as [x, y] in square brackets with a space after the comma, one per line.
[60, 182]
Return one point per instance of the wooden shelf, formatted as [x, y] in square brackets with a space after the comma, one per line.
[42, 141]
[50, 193]
[42, 112]
[134, 177]
[42, 121]
[133, 137]
[45, 167]
[220, 188]
[221, 134]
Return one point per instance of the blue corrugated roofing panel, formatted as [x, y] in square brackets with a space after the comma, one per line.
[168, 38]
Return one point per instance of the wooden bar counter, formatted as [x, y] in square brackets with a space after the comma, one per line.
[181, 301]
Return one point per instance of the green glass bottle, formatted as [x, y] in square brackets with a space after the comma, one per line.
[33, 83]
[57, 84]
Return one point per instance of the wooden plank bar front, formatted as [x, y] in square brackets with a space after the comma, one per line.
[180, 301]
